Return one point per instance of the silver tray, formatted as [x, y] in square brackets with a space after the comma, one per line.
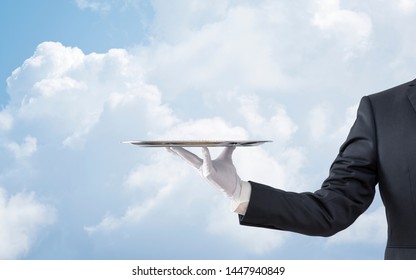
[196, 143]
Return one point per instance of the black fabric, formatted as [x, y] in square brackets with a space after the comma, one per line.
[380, 149]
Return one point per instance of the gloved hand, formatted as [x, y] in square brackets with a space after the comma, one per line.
[220, 172]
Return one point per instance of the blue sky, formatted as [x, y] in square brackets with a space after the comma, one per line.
[79, 76]
[25, 24]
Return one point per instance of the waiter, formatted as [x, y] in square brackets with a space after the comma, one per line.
[380, 149]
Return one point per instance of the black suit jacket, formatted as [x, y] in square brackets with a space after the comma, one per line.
[380, 148]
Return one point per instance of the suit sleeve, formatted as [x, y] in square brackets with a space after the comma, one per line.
[345, 194]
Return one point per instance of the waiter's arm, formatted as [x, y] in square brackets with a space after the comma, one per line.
[345, 194]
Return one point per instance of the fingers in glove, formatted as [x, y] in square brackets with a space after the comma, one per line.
[186, 155]
[227, 153]
[207, 167]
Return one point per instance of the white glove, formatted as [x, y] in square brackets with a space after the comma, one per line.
[220, 172]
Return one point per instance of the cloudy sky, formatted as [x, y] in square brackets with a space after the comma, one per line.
[79, 76]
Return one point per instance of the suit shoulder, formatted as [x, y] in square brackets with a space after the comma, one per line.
[392, 94]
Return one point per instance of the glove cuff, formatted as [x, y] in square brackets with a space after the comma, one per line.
[240, 202]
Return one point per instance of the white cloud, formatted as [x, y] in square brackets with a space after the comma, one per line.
[318, 122]
[22, 216]
[175, 21]
[352, 27]
[258, 241]
[100, 6]
[235, 45]
[327, 126]
[278, 126]
[205, 129]
[163, 171]
[66, 90]
[343, 129]
[69, 101]
[406, 6]
[6, 121]
[26, 149]
[133, 215]
[157, 185]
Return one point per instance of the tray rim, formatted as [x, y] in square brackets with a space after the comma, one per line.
[196, 143]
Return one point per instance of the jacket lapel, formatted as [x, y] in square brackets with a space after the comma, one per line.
[411, 93]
